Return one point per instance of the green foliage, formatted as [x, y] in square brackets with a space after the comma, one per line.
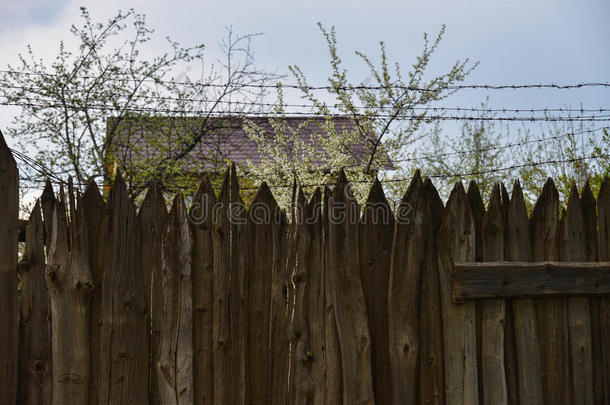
[109, 74]
[389, 114]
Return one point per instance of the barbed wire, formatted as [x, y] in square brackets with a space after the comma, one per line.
[326, 87]
[288, 114]
[491, 148]
[502, 110]
[58, 180]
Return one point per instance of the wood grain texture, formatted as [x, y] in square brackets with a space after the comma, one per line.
[332, 351]
[348, 297]
[376, 237]
[589, 211]
[603, 225]
[279, 323]
[9, 234]
[478, 212]
[124, 357]
[456, 243]
[174, 368]
[307, 337]
[152, 220]
[494, 311]
[221, 338]
[201, 221]
[526, 329]
[572, 247]
[94, 209]
[408, 259]
[263, 217]
[35, 380]
[69, 281]
[239, 294]
[529, 279]
[431, 375]
[551, 312]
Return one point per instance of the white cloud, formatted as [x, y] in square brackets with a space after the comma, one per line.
[18, 14]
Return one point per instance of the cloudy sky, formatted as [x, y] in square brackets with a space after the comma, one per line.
[515, 41]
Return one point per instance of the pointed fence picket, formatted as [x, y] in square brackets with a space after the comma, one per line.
[219, 302]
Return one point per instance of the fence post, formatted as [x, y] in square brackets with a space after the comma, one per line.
[494, 311]
[307, 357]
[9, 231]
[551, 312]
[174, 369]
[152, 220]
[456, 243]
[526, 329]
[348, 296]
[69, 281]
[376, 237]
[579, 314]
[591, 255]
[94, 208]
[415, 324]
[35, 381]
[124, 352]
[332, 354]
[201, 221]
[603, 221]
[404, 295]
[265, 220]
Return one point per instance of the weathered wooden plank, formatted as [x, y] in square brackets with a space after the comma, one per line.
[376, 236]
[494, 311]
[201, 219]
[94, 209]
[510, 344]
[69, 281]
[9, 233]
[478, 212]
[589, 211]
[529, 279]
[263, 216]
[526, 329]
[456, 243]
[221, 338]
[551, 312]
[152, 220]
[317, 301]
[124, 358]
[408, 259]
[348, 296]
[307, 356]
[175, 364]
[35, 383]
[239, 293]
[573, 248]
[279, 323]
[431, 373]
[332, 353]
[603, 225]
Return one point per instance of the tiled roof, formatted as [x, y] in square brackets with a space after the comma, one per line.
[224, 139]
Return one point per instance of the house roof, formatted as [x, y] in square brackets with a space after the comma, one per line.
[219, 139]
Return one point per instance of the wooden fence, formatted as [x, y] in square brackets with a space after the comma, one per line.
[332, 303]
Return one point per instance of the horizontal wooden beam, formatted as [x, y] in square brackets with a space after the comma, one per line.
[529, 279]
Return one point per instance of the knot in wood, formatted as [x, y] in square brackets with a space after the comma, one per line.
[39, 367]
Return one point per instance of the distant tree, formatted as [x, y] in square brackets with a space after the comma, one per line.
[389, 113]
[472, 155]
[65, 104]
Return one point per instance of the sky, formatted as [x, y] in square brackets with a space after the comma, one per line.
[515, 41]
